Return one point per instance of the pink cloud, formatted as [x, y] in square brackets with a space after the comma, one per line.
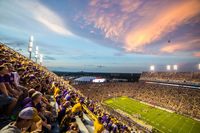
[129, 6]
[174, 47]
[165, 21]
[105, 17]
[93, 2]
[182, 45]
[111, 28]
[137, 24]
[197, 54]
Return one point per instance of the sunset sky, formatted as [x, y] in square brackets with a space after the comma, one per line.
[105, 35]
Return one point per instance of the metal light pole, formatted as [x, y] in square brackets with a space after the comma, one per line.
[41, 59]
[36, 53]
[30, 46]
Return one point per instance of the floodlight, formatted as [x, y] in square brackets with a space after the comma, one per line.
[30, 49]
[41, 58]
[152, 68]
[36, 48]
[30, 46]
[168, 67]
[175, 67]
[31, 38]
[36, 53]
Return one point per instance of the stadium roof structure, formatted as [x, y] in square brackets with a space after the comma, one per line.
[90, 79]
[85, 79]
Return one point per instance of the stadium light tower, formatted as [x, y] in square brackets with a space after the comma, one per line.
[152, 68]
[175, 67]
[36, 53]
[168, 67]
[41, 59]
[30, 46]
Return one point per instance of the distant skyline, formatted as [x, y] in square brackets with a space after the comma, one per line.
[125, 36]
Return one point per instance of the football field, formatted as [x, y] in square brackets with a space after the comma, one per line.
[162, 120]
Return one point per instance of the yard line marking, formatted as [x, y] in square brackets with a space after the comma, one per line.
[161, 120]
[181, 127]
[192, 128]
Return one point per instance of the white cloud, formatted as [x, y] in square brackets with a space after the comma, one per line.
[55, 27]
[49, 18]
[29, 12]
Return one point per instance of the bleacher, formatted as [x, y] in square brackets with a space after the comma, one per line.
[184, 78]
[82, 107]
[181, 99]
[55, 94]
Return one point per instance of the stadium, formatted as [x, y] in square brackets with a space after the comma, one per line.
[99, 66]
[159, 102]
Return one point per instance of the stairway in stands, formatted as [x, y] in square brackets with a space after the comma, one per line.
[85, 126]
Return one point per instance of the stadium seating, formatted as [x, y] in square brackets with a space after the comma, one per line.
[58, 105]
[180, 99]
[65, 108]
[190, 78]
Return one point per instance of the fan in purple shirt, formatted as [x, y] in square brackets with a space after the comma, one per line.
[35, 101]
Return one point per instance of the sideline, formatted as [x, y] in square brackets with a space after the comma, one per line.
[168, 110]
[172, 84]
[138, 121]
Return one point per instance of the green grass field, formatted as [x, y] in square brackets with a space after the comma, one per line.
[162, 120]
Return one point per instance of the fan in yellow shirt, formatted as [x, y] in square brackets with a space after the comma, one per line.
[98, 126]
[56, 91]
[77, 107]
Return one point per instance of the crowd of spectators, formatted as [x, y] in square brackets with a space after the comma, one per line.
[190, 78]
[177, 98]
[33, 99]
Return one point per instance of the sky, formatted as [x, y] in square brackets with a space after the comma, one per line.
[124, 36]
